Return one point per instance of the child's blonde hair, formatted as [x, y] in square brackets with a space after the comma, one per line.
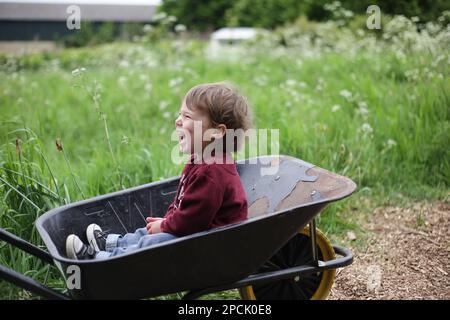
[224, 105]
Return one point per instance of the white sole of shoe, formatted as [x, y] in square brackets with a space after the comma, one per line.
[70, 247]
[91, 237]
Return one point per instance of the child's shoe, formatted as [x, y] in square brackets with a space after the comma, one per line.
[96, 237]
[77, 250]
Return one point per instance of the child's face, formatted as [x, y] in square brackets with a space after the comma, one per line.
[188, 122]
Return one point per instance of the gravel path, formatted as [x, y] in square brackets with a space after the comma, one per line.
[407, 255]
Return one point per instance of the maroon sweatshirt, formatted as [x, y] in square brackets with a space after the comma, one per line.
[208, 196]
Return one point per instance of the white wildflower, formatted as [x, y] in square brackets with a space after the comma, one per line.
[347, 13]
[166, 115]
[335, 108]
[148, 86]
[159, 16]
[366, 128]
[124, 63]
[175, 82]
[291, 82]
[412, 75]
[388, 145]
[143, 77]
[362, 109]
[180, 28]
[360, 32]
[172, 19]
[78, 72]
[163, 105]
[362, 104]
[346, 94]
[147, 28]
[391, 143]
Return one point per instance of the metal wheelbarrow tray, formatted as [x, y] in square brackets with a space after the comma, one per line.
[284, 195]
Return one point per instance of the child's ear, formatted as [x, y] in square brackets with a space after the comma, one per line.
[220, 131]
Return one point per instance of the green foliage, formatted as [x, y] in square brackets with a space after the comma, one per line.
[426, 10]
[91, 33]
[207, 15]
[265, 13]
[198, 15]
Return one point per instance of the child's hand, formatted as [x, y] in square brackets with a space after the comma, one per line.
[154, 225]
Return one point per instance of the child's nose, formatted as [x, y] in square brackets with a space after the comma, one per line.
[178, 121]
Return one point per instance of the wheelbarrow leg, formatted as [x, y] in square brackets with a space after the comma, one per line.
[312, 234]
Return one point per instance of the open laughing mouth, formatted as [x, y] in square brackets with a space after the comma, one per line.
[181, 136]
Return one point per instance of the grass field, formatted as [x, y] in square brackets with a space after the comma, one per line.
[376, 113]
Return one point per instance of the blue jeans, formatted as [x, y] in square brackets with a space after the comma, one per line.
[117, 244]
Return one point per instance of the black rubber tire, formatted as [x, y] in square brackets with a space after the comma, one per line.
[296, 252]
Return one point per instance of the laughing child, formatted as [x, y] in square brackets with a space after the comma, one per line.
[209, 194]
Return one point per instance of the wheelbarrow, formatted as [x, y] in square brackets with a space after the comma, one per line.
[277, 253]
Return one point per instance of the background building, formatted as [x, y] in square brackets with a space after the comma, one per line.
[46, 20]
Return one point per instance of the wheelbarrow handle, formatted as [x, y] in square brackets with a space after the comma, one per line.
[21, 280]
[30, 284]
[25, 246]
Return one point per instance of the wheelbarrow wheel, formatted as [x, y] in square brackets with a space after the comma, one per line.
[296, 252]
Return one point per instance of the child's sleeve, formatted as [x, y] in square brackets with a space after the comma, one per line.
[202, 199]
